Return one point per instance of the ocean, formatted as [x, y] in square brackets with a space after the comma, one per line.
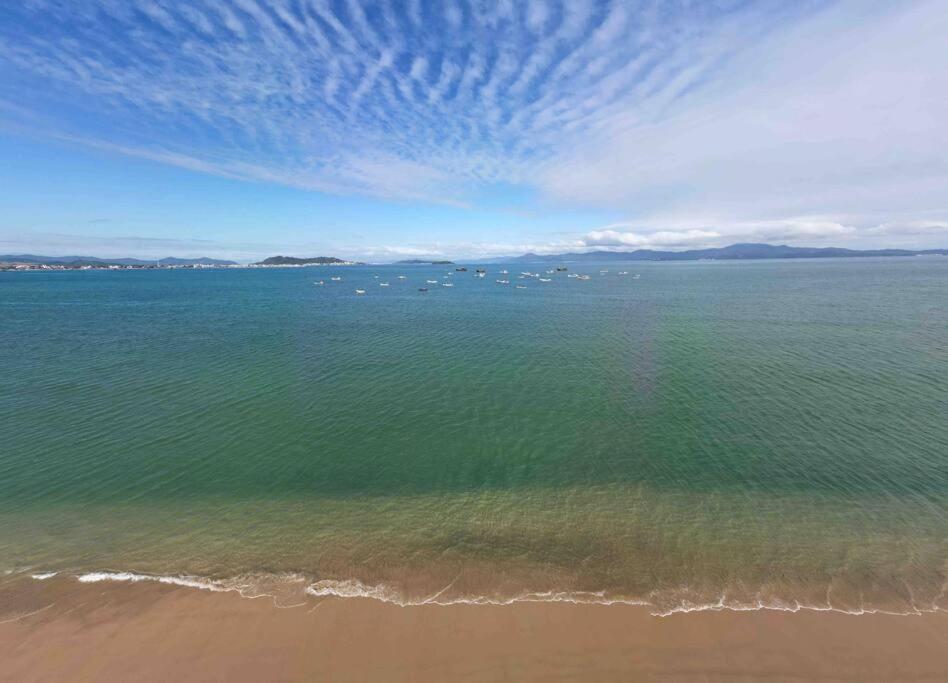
[707, 435]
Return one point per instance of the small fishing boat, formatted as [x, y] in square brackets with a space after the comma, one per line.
[521, 286]
[502, 282]
[503, 272]
[383, 284]
[480, 274]
[360, 291]
[335, 278]
[561, 269]
[462, 269]
[447, 284]
[432, 282]
[582, 277]
[545, 279]
[422, 289]
[318, 283]
[401, 277]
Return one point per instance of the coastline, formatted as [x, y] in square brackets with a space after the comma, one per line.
[62, 629]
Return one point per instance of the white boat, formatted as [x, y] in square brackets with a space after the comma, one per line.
[582, 277]
[360, 291]
[502, 282]
[636, 276]
[572, 275]
[623, 272]
[503, 272]
[545, 279]
[383, 284]
[447, 284]
[432, 282]
[335, 278]
[401, 277]
[521, 286]
[318, 283]
[479, 274]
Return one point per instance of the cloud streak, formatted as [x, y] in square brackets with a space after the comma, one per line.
[695, 122]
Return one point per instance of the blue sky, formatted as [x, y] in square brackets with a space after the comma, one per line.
[466, 128]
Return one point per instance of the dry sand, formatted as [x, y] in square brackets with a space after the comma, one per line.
[150, 632]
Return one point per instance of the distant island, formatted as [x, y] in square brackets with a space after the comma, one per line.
[732, 252]
[35, 262]
[314, 261]
[423, 262]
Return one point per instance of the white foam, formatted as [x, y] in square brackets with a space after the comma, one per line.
[255, 586]
[185, 581]
[42, 576]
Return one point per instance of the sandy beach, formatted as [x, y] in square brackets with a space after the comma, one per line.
[61, 630]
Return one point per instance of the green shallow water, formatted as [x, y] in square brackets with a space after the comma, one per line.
[762, 432]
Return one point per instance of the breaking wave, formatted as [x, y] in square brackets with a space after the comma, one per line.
[305, 591]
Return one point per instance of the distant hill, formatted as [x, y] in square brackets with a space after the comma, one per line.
[418, 261]
[732, 252]
[94, 260]
[294, 261]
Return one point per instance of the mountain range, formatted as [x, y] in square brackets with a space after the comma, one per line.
[732, 252]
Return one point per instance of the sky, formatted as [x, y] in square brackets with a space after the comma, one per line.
[469, 128]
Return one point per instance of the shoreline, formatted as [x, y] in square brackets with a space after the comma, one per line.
[62, 629]
[301, 590]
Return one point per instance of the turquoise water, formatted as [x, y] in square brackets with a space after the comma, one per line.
[723, 433]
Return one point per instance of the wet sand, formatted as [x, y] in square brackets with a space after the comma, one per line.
[151, 632]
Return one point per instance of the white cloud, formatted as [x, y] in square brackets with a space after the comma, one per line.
[842, 116]
[770, 121]
[609, 237]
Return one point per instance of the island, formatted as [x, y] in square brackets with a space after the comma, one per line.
[313, 261]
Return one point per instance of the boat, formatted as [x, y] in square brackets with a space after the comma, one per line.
[545, 279]
[480, 270]
[503, 272]
[561, 269]
[480, 274]
[521, 286]
[462, 269]
[401, 277]
[447, 284]
[572, 275]
[383, 284]
[432, 282]
[422, 289]
[623, 272]
[360, 291]
[636, 276]
[335, 278]
[502, 282]
[582, 277]
[318, 283]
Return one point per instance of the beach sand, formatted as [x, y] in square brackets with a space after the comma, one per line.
[153, 632]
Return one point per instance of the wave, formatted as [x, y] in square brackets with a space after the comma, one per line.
[131, 577]
[658, 604]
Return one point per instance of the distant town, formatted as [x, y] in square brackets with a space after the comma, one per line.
[26, 262]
